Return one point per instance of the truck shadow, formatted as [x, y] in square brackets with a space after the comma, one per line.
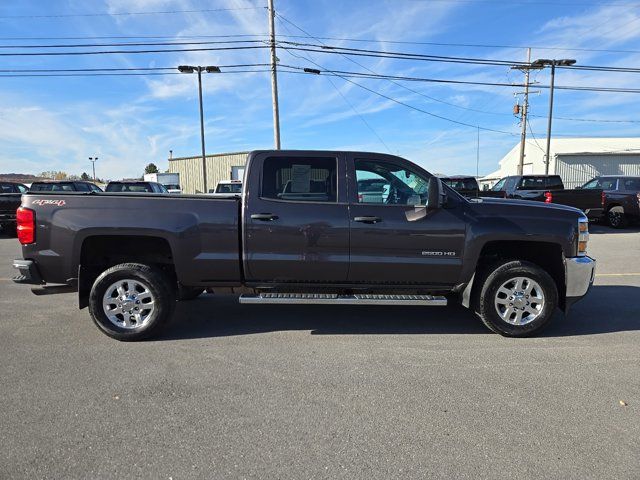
[601, 228]
[606, 309]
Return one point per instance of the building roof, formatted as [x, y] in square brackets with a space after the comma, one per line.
[210, 155]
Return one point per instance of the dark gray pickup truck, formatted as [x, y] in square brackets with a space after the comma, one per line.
[10, 193]
[301, 232]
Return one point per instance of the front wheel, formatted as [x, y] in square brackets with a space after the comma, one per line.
[517, 299]
[131, 301]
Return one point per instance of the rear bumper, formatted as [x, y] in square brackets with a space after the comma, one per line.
[580, 273]
[27, 273]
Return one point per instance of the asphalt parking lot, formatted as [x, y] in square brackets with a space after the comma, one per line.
[236, 391]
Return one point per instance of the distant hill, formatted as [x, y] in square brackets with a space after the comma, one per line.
[19, 177]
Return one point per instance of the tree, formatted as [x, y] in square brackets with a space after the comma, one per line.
[151, 168]
[85, 176]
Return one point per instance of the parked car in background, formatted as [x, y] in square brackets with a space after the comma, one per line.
[227, 187]
[463, 184]
[64, 186]
[548, 189]
[620, 198]
[10, 194]
[171, 181]
[136, 187]
[130, 257]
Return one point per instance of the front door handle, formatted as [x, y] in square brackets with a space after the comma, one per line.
[367, 219]
[264, 217]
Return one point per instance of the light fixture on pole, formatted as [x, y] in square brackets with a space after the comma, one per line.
[553, 63]
[199, 69]
[93, 161]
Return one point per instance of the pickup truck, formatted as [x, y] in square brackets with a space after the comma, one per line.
[10, 194]
[620, 198]
[465, 185]
[300, 233]
[547, 189]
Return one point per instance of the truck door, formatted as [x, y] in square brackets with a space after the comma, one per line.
[395, 239]
[295, 218]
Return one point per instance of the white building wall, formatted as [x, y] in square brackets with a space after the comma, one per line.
[619, 153]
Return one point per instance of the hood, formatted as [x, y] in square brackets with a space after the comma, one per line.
[538, 207]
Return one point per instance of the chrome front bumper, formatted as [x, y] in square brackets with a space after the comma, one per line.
[580, 273]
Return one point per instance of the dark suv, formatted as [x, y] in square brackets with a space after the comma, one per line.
[64, 186]
[463, 184]
[620, 198]
[136, 187]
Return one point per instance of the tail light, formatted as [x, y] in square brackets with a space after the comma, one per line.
[26, 225]
[548, 197]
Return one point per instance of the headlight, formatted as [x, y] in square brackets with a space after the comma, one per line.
[583, 236]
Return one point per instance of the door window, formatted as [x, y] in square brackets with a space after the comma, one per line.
[300, 179]
[603, 183]
[390, 184]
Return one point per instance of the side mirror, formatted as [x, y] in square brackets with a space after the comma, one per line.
[437, 195]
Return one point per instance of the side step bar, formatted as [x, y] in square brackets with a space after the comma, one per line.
[333, 299]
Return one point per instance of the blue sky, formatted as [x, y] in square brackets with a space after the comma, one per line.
[128, 121]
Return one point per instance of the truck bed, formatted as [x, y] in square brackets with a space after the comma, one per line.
[201, 232]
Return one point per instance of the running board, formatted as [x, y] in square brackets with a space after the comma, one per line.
[333, 299]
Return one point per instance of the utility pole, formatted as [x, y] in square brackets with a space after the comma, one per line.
[525, 108]
[274, 77]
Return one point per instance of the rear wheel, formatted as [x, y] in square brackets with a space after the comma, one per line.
[517, 298]
[131, 301]
[617, 218]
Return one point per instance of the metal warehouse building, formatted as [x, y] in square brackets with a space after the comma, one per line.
[576, 160]
[221, 166]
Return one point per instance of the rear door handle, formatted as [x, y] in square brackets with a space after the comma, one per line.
[264, 217]
[367, 219]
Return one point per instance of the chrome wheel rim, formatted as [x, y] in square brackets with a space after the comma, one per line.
[128, 304]
[519, 301]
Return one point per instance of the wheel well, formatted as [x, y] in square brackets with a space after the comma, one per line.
[101, 252]
[546, 255]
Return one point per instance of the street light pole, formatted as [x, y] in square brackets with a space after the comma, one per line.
[542, 62]
[204, 158]
[199, 69]
[93, 161]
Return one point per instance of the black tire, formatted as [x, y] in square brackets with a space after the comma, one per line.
[496, 276]
[616, 218]
[157, 283]
[189, 293]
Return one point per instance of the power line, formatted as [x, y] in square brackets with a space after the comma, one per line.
[130, 44]
[440, 58]
[115, 69]
[113, 74]
[282, 18]
[366, 75]
[164, 12]
[103, 52]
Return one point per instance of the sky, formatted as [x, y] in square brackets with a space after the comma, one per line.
[57, 123]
